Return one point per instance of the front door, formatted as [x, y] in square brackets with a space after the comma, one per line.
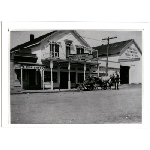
[32, 77]
[124, 74]
[64, 80]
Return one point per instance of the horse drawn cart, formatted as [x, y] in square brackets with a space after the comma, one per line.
[89, 84]
[92, 83]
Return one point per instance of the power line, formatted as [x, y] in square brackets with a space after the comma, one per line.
[101, 40]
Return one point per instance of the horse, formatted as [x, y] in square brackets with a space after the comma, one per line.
[103, 82]
[106, 82]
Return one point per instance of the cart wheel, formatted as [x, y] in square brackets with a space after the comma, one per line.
[91, 88]
[78, 89]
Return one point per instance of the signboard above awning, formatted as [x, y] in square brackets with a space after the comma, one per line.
[81, 57]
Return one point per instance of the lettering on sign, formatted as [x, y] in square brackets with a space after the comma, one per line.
[80, 57]
[28, 67]
[130, 53]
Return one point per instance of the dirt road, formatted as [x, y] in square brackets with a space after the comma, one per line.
[87, 107]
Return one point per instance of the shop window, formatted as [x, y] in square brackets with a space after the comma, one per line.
[80, 69]
[47, 76]
[18, 75]
[73, 77]
[72, 68]
[87, 69]
[80, 77]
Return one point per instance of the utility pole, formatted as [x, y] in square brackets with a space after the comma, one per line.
[107, 52]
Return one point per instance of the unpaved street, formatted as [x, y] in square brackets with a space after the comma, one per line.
[87, 107]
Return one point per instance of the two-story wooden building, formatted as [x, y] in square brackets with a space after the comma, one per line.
[59, 59]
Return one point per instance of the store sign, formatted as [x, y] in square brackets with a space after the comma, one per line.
[127, 60]
[32, 67]
[131, 54]
[18, 66]
[80, 57]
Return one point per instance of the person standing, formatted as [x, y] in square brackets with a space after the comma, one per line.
[116, 80]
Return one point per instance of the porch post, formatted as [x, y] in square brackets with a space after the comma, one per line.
[35, 77]
[98, 70]
[84, 70]
[43, 77]
[51, 66]
[76, 75]
[69, 84]
[58, 76]
[21, 78]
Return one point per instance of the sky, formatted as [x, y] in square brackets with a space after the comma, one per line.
[92, 37]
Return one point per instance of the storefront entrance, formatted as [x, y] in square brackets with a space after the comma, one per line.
[124, 74]
[34, 79]
[64, 80]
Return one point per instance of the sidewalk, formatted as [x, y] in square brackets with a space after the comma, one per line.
[42, 91]
[63, 90]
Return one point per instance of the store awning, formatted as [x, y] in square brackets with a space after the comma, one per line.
[71, 61]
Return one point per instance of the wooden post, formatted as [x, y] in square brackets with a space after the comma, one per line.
[43, 78]
[76, 75]
[51, 66]
[84, 71]
[69, 84]
[58, 76]
[98, 70]
[21, 78]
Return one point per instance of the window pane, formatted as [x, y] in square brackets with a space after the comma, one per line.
[78, 50]
[67, 51]
[47, 76]
[82, 51]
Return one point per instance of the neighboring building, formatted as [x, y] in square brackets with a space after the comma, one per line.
[59, 59]
[124, 57]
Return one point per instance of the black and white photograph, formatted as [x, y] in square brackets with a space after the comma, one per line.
[82, 76]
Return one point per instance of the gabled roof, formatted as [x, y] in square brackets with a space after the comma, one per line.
[115, 48]
[41, 38]
[33, 42]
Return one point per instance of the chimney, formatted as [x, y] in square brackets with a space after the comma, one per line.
[31, 37]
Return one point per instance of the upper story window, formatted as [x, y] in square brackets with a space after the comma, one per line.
[54, 49]
[80, 49]
[68, 47]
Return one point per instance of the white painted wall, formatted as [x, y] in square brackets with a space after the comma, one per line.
[135, 71]
[112, 58]
[43, 50]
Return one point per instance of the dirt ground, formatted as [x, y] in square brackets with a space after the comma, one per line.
[87, 107]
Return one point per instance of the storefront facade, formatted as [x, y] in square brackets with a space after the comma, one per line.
[59, 59]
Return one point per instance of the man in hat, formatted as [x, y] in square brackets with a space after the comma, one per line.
[116, 80]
